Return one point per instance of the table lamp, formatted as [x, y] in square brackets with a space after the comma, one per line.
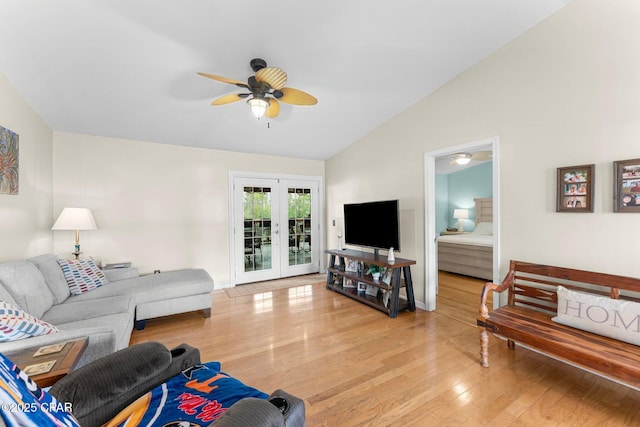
[460, 214]
[75, 219]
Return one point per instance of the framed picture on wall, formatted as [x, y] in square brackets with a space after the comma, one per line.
[575, 189]
[626, 182]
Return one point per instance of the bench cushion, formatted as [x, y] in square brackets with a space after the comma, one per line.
[593, 352]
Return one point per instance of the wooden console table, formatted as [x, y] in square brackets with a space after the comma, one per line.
[390, 304]
[65, 360]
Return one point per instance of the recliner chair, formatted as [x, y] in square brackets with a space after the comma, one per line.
[99, 390]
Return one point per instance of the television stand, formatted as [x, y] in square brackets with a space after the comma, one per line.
[345, 278]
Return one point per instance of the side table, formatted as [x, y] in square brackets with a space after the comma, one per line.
[64, 360]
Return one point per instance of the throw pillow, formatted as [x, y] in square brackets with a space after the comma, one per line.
[16, 324]
[598, 314]
[197, 396]
[82, 275]
[26, 404]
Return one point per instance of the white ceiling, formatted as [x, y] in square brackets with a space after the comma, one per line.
[127, 68]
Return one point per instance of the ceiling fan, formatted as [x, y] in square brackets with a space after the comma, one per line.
[464, 158]
[266, 89]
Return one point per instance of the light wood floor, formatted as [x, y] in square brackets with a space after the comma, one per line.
[354, 366]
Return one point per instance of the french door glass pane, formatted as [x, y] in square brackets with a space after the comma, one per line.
[299, 207]
[257, 228]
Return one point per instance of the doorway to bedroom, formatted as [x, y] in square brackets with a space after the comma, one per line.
[462, 223]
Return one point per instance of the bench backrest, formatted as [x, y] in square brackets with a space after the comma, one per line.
[535, 285]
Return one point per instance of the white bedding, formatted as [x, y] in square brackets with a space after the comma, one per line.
[468, 239]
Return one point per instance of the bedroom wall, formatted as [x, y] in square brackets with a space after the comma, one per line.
[564, 93]
[466, 185]
[26, 218]
[160, 206]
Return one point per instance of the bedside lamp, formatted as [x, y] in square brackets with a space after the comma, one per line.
[460, 214]
[75, 219]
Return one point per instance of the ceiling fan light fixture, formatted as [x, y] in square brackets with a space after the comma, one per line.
[258, 106]
[463, 160]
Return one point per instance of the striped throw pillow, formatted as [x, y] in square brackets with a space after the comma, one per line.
[17, 324]
[82, 275]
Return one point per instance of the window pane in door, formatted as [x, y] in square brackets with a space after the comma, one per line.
[299, 207]
[257, 228]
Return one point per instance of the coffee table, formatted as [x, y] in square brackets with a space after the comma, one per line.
[64, 360]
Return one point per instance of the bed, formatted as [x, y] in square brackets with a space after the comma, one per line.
[470, 254]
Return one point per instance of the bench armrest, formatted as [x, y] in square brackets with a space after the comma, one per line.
[506, 284]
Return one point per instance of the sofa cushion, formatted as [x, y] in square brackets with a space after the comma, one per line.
[6, 296]
[26, 285]
[82, 275]
[53, 277]
[121, 324]
[16, 324]
[157, 287]
[73, 310]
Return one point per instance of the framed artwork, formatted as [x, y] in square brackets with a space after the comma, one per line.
[626, 182]
[9, 158]
[575, 189]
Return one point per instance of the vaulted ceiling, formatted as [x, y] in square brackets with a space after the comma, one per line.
[127, 68]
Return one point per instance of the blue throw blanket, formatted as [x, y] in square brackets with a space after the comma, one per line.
[196, 397]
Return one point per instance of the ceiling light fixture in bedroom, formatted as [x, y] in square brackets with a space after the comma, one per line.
[462, 159]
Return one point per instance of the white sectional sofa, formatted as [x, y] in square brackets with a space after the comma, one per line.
[105, 315]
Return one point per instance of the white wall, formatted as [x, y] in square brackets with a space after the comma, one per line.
[26, 218]
[159, 206]
[565, 93]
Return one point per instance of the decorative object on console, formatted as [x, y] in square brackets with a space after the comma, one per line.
[626, 188]
[575, 189]
[339, 240]
[9, 162]
[460, 214]
[391, 258]
[75, 219]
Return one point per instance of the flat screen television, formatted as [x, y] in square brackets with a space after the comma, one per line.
[372, 224]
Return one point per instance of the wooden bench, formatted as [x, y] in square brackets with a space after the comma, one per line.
[533, 301]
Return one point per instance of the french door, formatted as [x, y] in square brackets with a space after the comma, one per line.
[276, 229]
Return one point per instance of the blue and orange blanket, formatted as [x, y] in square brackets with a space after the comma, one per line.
[196, 397]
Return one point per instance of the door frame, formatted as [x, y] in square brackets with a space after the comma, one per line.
[233, 175]
[431, 234]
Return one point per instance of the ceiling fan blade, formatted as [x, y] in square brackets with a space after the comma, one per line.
[224, 79]
[274, 77]
[296, 97]
[228, 99]
[481, 155]
[274, 108]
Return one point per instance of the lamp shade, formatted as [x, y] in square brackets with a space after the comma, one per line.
[461, 213]
[75, 219]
